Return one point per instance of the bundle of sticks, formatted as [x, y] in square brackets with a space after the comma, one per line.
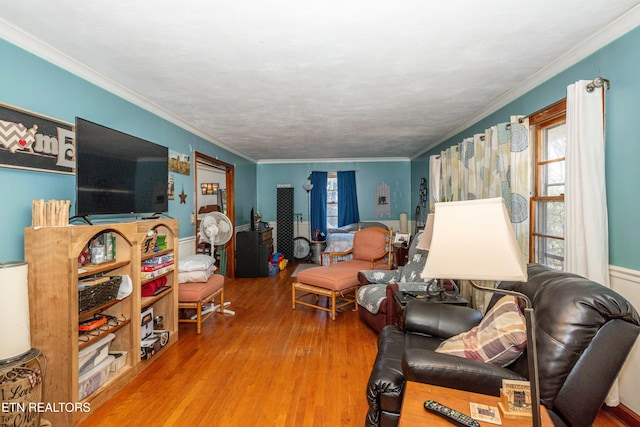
[50, 213]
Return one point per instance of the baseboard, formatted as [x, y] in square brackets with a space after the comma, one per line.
[624, 414]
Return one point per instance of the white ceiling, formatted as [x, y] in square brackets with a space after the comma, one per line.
[291, 79]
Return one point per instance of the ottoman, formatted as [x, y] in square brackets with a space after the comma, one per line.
[338, 284]
[193, 295]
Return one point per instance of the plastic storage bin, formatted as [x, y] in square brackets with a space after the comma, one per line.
[120, 359]
[92, 355]
[94, 378]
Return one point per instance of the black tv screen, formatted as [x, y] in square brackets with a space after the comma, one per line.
[117, 173]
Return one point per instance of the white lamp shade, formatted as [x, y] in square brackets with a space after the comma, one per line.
[474, 240]
[14, 310]
[427, 234]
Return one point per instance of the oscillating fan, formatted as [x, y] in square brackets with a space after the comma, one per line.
[217, 229]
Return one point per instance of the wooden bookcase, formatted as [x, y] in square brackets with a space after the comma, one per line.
[52, 254]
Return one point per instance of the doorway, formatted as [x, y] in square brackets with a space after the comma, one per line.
[209, 170]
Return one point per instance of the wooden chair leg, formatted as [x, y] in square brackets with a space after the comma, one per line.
[333, 306]
[199, 318]
[293, 296]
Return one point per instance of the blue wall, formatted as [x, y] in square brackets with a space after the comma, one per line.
[619, 62]
[368, 174]
[31, 83]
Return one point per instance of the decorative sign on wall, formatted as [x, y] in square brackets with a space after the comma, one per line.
[383, 200]
[36, 142]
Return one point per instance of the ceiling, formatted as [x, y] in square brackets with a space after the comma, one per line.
[291, 79]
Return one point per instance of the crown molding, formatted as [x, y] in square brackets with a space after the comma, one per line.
[616, 29]
[25, 41]
[353, 160]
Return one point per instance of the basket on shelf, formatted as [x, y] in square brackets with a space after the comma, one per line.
[95, 295]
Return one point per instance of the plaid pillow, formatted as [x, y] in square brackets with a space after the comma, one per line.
[500, 338]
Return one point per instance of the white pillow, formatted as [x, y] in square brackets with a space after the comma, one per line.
[196, 262]
[194, 276]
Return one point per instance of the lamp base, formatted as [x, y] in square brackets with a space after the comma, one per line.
[440, 292]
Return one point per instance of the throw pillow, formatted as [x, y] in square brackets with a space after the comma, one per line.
[196, 262]
[195, 276]
[500, 338]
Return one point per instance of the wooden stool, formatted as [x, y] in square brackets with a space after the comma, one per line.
[196, 294]
[340, 285]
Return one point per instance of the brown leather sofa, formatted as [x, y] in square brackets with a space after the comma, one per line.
[584, 333]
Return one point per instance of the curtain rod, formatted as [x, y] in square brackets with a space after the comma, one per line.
[598, 82]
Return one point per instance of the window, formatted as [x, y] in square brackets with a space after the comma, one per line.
[547, 204]
[332, 200]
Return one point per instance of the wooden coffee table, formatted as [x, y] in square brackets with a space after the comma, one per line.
[413, 413]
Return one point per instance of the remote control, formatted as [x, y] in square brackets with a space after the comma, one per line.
[451, 414]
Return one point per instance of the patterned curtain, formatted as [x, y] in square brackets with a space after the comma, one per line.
[492, 164]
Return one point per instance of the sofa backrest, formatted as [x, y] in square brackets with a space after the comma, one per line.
[574, 319]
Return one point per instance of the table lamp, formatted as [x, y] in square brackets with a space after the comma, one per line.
[425, 244]
[474, 240]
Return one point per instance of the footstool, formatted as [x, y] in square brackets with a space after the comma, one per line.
[338, 284]
[195, 294]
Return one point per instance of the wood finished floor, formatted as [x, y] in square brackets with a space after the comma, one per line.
[268, 365]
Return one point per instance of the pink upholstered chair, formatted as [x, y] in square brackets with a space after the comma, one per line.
[338, 281]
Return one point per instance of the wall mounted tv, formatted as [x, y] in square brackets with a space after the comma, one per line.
[118, 173]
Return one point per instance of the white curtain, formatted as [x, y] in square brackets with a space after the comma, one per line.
[586, 246]
[434, 181]
[492, 164]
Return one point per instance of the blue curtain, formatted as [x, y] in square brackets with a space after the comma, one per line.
[347, 198]
[319, 202]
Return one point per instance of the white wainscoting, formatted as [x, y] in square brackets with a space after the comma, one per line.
[626, 282]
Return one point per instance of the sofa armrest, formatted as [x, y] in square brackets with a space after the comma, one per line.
[444, 370]
[438, 319]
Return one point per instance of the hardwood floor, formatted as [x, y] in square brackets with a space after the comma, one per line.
[268, 365]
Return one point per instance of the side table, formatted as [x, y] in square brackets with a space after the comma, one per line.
[413, 413]
[317, 246]
[401, 300]
[400, 255]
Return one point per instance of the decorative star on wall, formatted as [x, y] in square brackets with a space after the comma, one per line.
[183, 196]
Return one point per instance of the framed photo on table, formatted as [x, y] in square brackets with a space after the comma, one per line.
[401, 238]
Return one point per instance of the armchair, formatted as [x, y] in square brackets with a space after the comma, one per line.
[584, 334]
[375, 296]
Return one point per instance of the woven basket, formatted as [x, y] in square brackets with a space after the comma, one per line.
[99, 294]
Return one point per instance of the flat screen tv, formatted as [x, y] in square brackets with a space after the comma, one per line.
[117, 173]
